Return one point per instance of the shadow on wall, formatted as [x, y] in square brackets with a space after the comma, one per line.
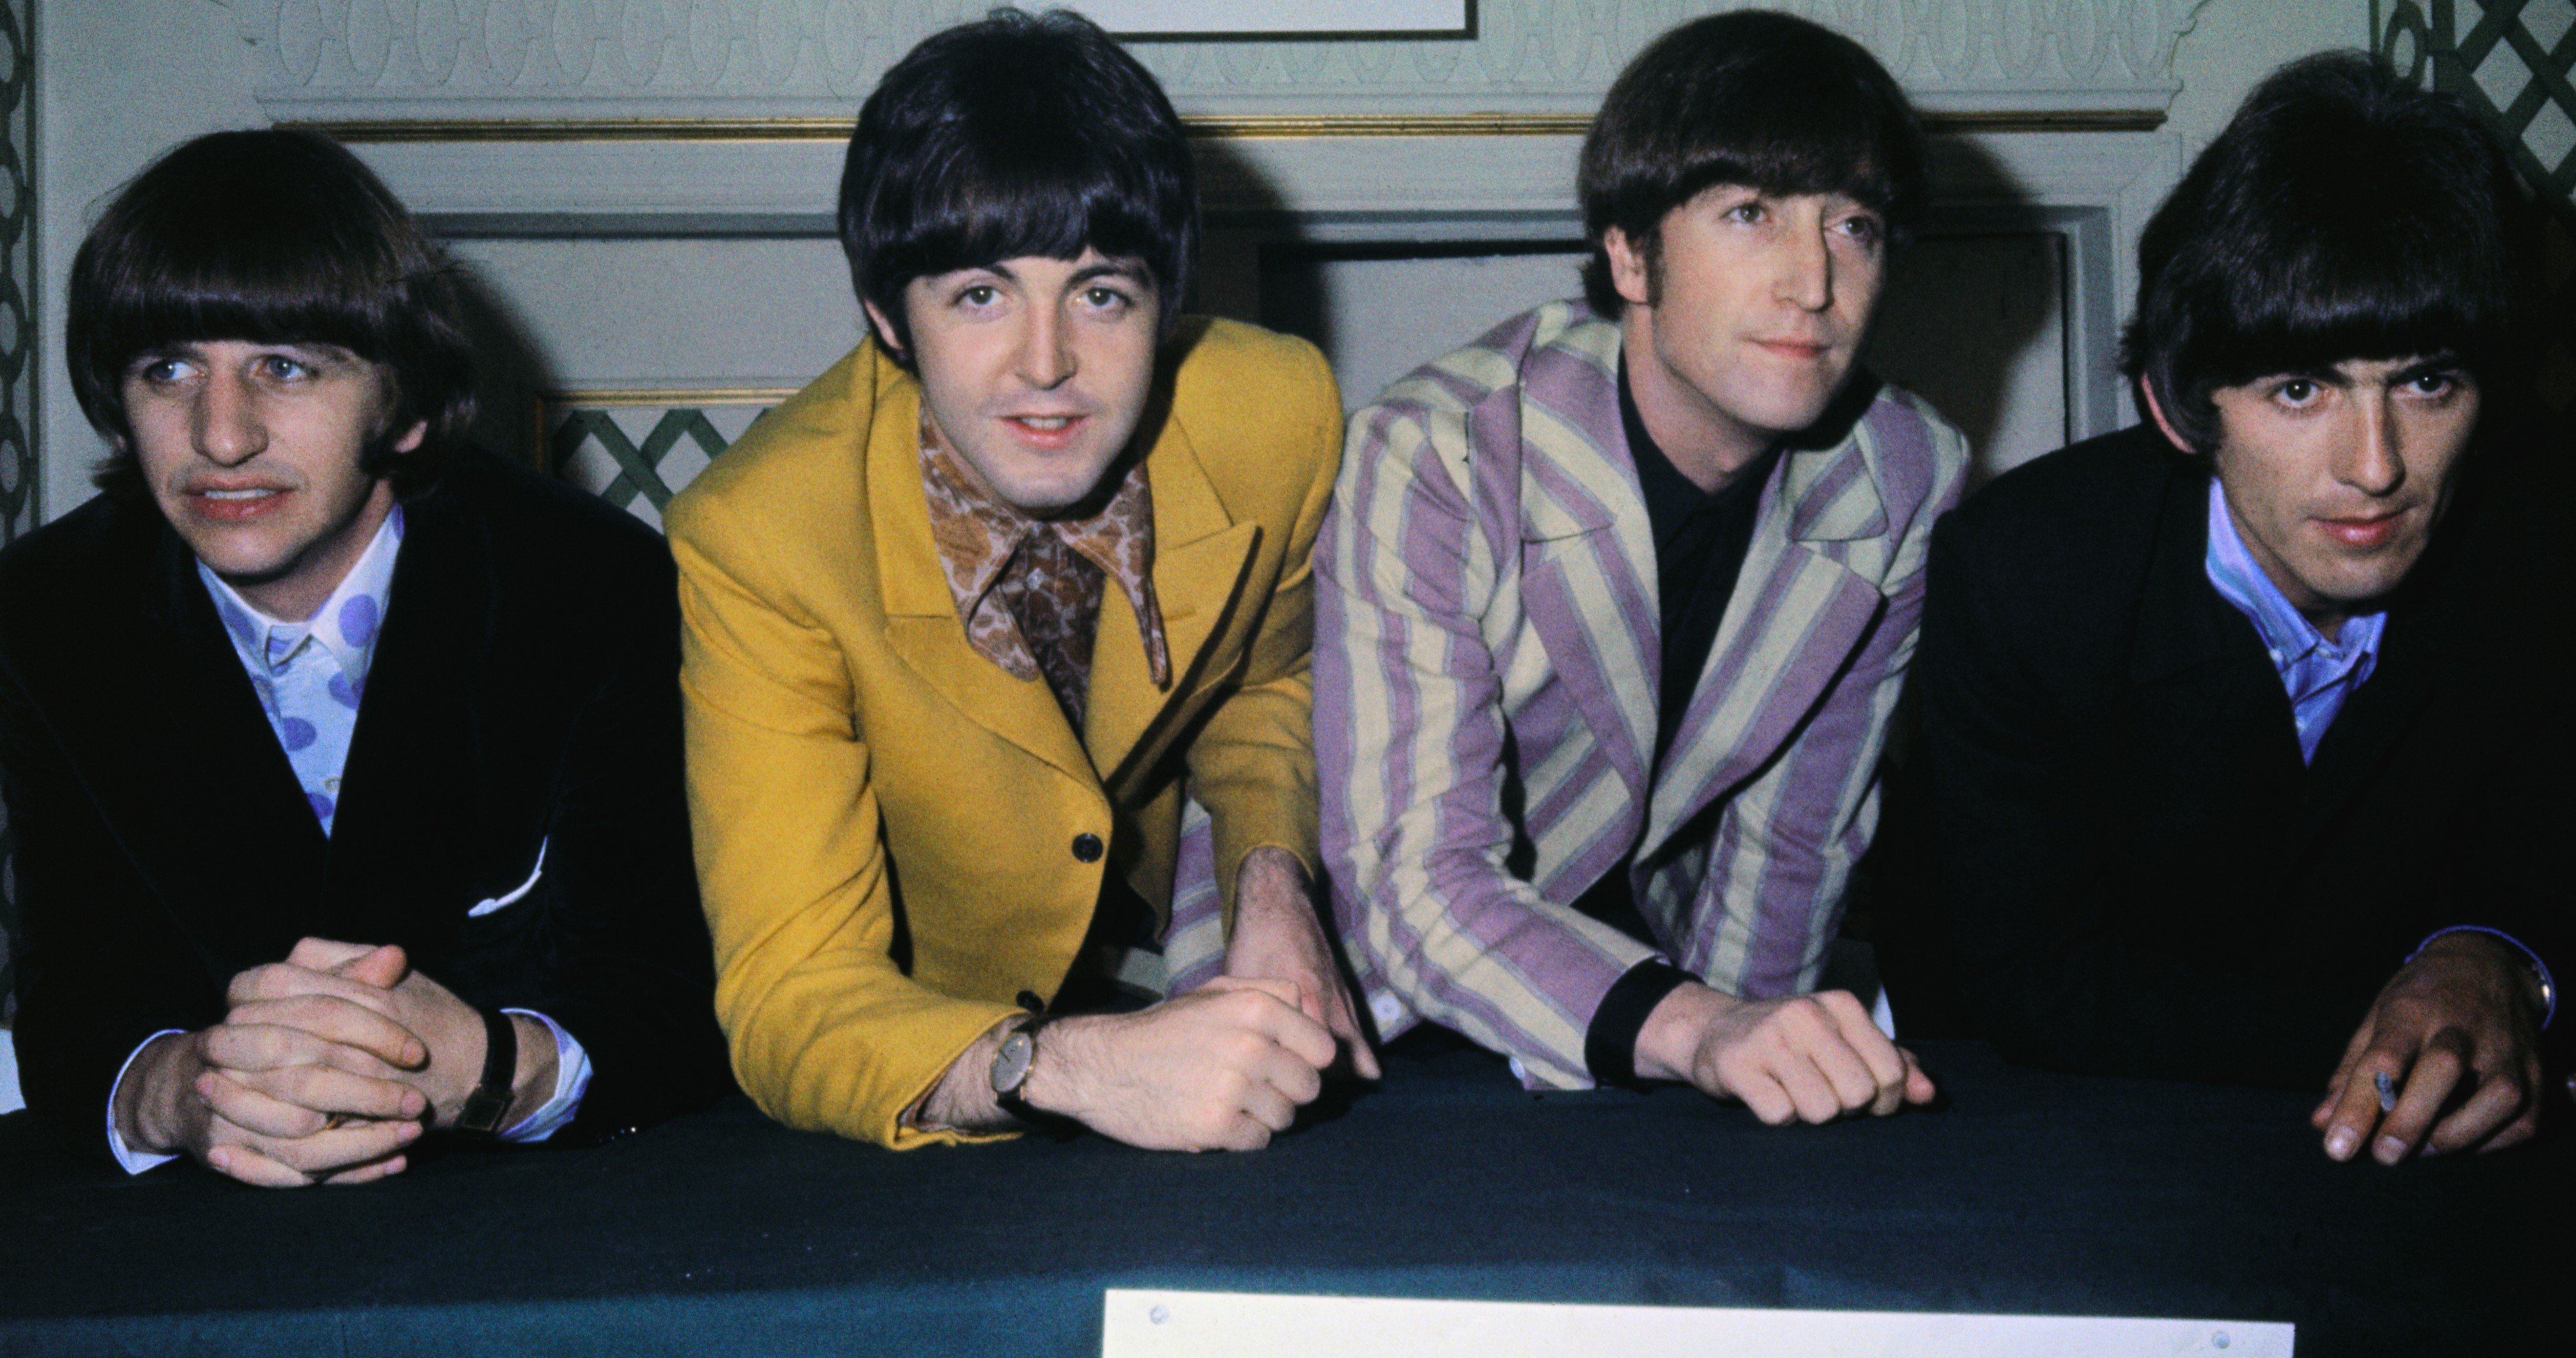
[510, 371]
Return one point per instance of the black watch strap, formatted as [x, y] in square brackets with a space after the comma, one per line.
[490, 1101]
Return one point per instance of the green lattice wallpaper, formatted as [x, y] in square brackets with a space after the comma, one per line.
[636, 449]
[2514, 61]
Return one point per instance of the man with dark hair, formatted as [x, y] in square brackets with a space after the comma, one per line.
[1618, 599]
[311, 670]
[2241, 754]
[996, 655]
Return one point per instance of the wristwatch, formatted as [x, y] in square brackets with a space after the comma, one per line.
[1010, 1074]
[490, 1101]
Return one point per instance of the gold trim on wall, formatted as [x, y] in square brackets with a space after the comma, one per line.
[666, 396]
[1213, 127]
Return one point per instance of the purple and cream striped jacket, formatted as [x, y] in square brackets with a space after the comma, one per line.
[1486, 674]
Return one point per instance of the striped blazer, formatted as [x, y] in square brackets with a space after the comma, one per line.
[1486, 675]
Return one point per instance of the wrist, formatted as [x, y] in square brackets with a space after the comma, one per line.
[533, 1083]
[1668, 1045]
[152, 1101]
[2492, 953]
[1059, 1071]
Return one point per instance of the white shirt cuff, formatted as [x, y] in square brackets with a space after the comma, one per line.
[135, 1162]
[572, 1080]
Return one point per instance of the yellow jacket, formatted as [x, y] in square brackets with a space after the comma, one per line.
[852, 759]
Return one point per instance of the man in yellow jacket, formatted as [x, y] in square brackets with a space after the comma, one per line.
[996, 651]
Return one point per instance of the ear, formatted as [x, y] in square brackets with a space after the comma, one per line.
[413, 437]
[1628, 272]
[2156, 412]
[885, 329]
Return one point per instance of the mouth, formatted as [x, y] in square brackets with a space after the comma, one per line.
[2362, 532]
[1798, 350]
[1047, 432]
[234, 504]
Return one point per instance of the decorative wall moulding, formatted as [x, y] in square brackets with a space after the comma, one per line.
[1209, 127]
[587, 61]
[1166, 20]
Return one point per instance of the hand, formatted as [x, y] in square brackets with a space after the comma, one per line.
[1222, 1067]
[1279, 936]
[162, 1107]
[2457, 1028]
[334, 982]
[1809, 1057]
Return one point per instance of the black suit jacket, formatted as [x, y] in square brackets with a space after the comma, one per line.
[2136, 872]
[523, 693]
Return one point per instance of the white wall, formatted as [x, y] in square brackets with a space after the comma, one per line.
[121, 80]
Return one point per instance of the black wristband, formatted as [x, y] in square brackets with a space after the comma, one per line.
[1610, 1044]
[490, 1101]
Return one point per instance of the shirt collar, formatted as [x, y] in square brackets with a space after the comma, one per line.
[978, 536]
[2287, 634]
[345, 627]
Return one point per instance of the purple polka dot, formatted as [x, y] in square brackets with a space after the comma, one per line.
[297, 733]
[343, 692]
[358, 619]
[322, 806]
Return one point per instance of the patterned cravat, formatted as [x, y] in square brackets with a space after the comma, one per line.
[1029, 590]
[310, 675]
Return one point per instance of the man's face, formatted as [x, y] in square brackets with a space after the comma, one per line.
[2335, 478]
[251, 451]
[1036, 370]
[1758, 307]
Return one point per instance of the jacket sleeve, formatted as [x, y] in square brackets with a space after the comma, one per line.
[1252, 764]
[100, 970]
[826, 1032]
[1410, 749]
[2039, 955]
[1785, 843]
[624, 950]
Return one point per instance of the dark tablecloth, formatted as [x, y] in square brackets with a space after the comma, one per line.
[2026, 1192]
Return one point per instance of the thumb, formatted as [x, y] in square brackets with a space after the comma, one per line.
[325, 954]
[381, 967]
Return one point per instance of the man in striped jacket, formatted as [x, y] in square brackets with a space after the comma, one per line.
[1618, 599]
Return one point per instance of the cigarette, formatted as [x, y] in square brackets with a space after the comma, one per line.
[2387, 1092]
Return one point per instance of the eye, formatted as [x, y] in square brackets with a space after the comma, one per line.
[161, 371]
[1751, 212]
[979, 295]
[1864, 230]
[283, 368]
[1105, 298]
[2433, 384]
[2297, 391]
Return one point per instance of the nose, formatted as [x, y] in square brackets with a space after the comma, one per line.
[2373, 459]
[227, 423]
[1046, 352]
[1806, 267]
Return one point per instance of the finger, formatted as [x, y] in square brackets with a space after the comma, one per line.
[1845, 1072]
[335, 1092]
[1875, 1050]
[254, 1111]
[1919, 1087]
[1809, 1091]
[2356, 1113]
[2429, 1083]
[2343, 1071]
[382, 967]
[1342, 1020]
[253, 1168]
[1288, 1075]
[2499, 1101]
[323, 954]
[1265, 1105]
[1242, 1133]
[365, 1174]
[1278, 990]
[1303, 1037]
[1766, 1096]
[333, 1019]
[2516, 1132]
[243, 1047]
[341, 1147]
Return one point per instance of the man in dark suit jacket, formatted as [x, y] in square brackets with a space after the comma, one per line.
[2242, 763]
[346, 768]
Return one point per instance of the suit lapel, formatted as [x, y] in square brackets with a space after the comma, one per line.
[1795, 616]
[404, 833]
[241, 853]
[1199, 559]
[1587, 546]
[921, 616]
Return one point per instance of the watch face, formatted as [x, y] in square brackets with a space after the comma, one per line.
[1011, 1063]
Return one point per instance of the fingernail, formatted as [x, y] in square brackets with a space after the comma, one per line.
[2390, 1150]
[407, 1133]
[2340, 1141]
[413, 1103]
[396, 1165]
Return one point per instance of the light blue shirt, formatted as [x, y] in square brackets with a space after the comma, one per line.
[2320, 673]
[309, 677]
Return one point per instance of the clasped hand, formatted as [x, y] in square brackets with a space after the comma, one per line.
[328, 1065]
